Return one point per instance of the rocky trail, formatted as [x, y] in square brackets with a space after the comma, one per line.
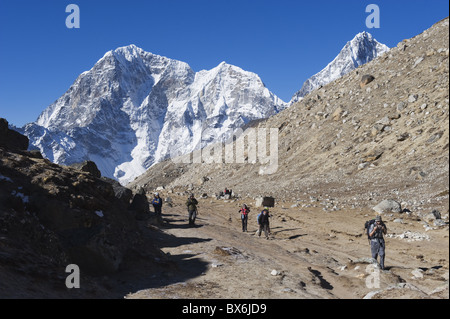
[310, 254]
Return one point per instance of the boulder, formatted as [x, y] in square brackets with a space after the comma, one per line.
[88, 166]
[388, 206]
[122, 193]
[436, 214]
[372, 155]
[265, 201]
[366, 79]
[337, 113]
[432, 217]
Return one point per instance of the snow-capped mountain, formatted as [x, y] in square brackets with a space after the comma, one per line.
[362, 49]
[135, 108]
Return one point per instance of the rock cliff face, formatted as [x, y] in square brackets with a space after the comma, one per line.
[135, 108]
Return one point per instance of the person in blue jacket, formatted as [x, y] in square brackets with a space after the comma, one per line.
[157, 204]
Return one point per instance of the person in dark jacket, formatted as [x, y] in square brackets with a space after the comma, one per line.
[244, 216]
[191, 204]
[377, 243]
[157, 204]
[263, 222]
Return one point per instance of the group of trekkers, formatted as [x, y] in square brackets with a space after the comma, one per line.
[375, 228]
[263, 220]
[191, 204]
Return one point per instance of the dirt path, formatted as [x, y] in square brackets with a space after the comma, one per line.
[312, 254]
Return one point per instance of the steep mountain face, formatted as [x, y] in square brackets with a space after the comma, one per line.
[135, 108]
[361, 49]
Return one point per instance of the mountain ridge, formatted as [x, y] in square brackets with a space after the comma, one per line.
[361, 49]
[134, 108]
[130, 109]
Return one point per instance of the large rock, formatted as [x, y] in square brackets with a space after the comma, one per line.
[388, 206]
[88, 166]
[265, 201]
[121, 192]
[366, 79]
[433, 216]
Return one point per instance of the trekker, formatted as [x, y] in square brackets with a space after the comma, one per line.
[377, 244]
[192, 209]
[244, 216]
[263, 222]
[157, 204]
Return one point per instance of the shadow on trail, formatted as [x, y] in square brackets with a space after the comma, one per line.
[321, 281]
[183, 225]
[156, 269]
[297, 236]
[285, 229]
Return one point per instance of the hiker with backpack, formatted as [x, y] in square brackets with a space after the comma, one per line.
[191, 204]
[375, 231]
[263, 222]
[244, 216]
[157, 204]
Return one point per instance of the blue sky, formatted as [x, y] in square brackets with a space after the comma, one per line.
[283, 41]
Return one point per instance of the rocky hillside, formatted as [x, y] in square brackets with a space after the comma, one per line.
[351, 143]
[52, 216]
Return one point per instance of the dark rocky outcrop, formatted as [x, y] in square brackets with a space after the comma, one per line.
[88, 166]
[52, 216]
[10, 138]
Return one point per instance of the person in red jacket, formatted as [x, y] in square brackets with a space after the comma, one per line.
[244, 216]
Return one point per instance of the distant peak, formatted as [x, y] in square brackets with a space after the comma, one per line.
[223, 64]
[129, 53]
[129, 48]
[363, 35]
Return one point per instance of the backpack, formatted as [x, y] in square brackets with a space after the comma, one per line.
[245, 211]
[260, 215]
[367, 226]
[259, 218]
